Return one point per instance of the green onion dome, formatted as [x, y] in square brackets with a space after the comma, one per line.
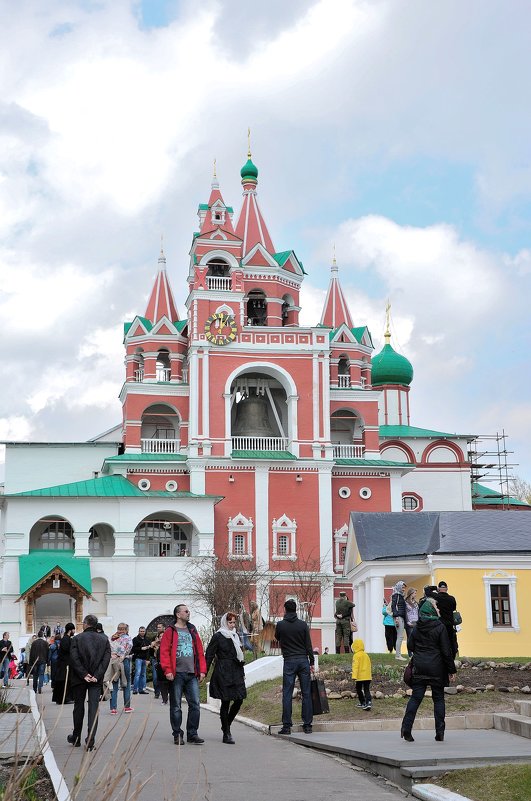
[249, 171]
[389, 367]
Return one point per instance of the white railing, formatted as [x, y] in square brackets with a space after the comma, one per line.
[343, 381]
[160, 445]
[260, 443]
[219, 282]
[163, 373]
[139, 374]
[348, 451]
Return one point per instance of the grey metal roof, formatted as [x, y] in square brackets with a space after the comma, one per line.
[392, 535]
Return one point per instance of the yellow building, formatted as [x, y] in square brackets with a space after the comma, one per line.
[484, 557]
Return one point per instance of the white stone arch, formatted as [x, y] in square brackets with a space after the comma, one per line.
[161, 543]
[285, 380]
[61, 533]
[225, 308]
[231, 260]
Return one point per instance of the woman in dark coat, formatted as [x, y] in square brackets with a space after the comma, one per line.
[433, 665]
[61, 684]
[228, 678]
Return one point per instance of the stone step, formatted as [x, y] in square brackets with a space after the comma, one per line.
[418, 772]
[513, 723]
[523, 708]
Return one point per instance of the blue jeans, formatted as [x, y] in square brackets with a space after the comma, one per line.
[140, 676]
[38, 676]
[4, 671]
[187, 683]
[297, 667]
[126, 690]
[246, 641]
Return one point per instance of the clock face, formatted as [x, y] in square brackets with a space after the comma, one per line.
[220, 328]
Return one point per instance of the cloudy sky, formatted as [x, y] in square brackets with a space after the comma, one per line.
[398, 131]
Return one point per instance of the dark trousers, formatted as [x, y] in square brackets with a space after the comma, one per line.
[439, 709]
[79, 692]
[390, 637]
[363, 688]
[227, 713]
[298, 667]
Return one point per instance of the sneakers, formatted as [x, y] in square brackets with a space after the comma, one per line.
[307, 729]
[114, 711]
[401, 658]
[195, 739]
[285, 730]
[179, 740]
[128, 709]
[367, 707]
[360, 705]
[73, 740]
[143, 692]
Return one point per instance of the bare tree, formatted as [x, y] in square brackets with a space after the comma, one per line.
[223, 584]
[309, 582]
[521, 489]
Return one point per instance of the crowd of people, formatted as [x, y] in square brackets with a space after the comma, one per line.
[92, 667]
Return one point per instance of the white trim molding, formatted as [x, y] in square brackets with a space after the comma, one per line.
[284, 527]
[244, 526]
[501, 577]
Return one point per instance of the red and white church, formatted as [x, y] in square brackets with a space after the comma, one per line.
[244, 434]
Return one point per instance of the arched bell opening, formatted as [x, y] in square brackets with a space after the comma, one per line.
[163, 365]
[287, 310]
[159, 432]
[347, 434]
[139, 364]
[218, 268]
[343, 371]
[259, 413]
[256, 308]
[164, 534]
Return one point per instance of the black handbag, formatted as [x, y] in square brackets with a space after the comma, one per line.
[408, 673]
[320, 704]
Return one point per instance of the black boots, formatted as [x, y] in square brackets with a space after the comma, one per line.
[439, 735]
[227, 737]
[406, 735]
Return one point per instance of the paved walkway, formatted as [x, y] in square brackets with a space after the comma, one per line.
[258, 767]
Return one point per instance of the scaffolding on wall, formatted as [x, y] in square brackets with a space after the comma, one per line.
[489, 463]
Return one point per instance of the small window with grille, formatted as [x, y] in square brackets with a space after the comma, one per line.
[409, 503]
[283, 545]
[239, 544]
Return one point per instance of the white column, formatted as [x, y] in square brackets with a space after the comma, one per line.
[206, 395]
[81, 541]
[360, 608]
[124, 543]
[375, 633]
[315, 399]
[193, 369]
[261, 494]
[325, 402]
[197, 478]
[325, 520]
[396, 492]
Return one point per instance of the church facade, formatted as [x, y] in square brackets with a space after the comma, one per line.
[245, 435]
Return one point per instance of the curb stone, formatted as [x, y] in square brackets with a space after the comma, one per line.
[431, 792]
[56, 777]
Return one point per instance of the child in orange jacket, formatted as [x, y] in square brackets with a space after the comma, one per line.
[362, 673]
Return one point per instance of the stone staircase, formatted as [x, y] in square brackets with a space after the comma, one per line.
[518, 722]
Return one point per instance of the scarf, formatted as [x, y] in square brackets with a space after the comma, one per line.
[428, 610]
[399, 587]
[231, 635]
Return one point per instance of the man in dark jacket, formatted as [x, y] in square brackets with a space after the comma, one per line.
[140, 654]
[343, 616]
[293, 636]
[447, 605]
[38, 659]
[90, 654]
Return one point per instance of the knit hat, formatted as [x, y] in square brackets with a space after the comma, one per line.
[428, 610]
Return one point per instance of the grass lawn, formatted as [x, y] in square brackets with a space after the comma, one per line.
[504, 782]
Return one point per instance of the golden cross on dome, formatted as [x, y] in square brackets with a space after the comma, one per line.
[214, 176]
[387, 333]
[248, 143]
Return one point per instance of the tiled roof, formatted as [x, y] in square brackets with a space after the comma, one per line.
[486, 496]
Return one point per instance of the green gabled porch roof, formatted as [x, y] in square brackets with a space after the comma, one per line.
[283, 455]
[36, 565]
[372, 463]
[104, 487]
[357, 332]
[400, 432]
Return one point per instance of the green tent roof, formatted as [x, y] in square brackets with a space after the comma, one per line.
[400, 432]
[37, 564]
[105, 487]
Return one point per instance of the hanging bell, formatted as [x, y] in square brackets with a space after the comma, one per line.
[252, 418]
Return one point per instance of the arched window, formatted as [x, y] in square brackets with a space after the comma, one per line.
[343, 372]
[163, 365]
[256, 308]
[160, 430]
[218, 268]
[57, 536]
[162, 538]
[95, 546]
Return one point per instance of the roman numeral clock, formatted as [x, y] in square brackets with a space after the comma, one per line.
[221, 328]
